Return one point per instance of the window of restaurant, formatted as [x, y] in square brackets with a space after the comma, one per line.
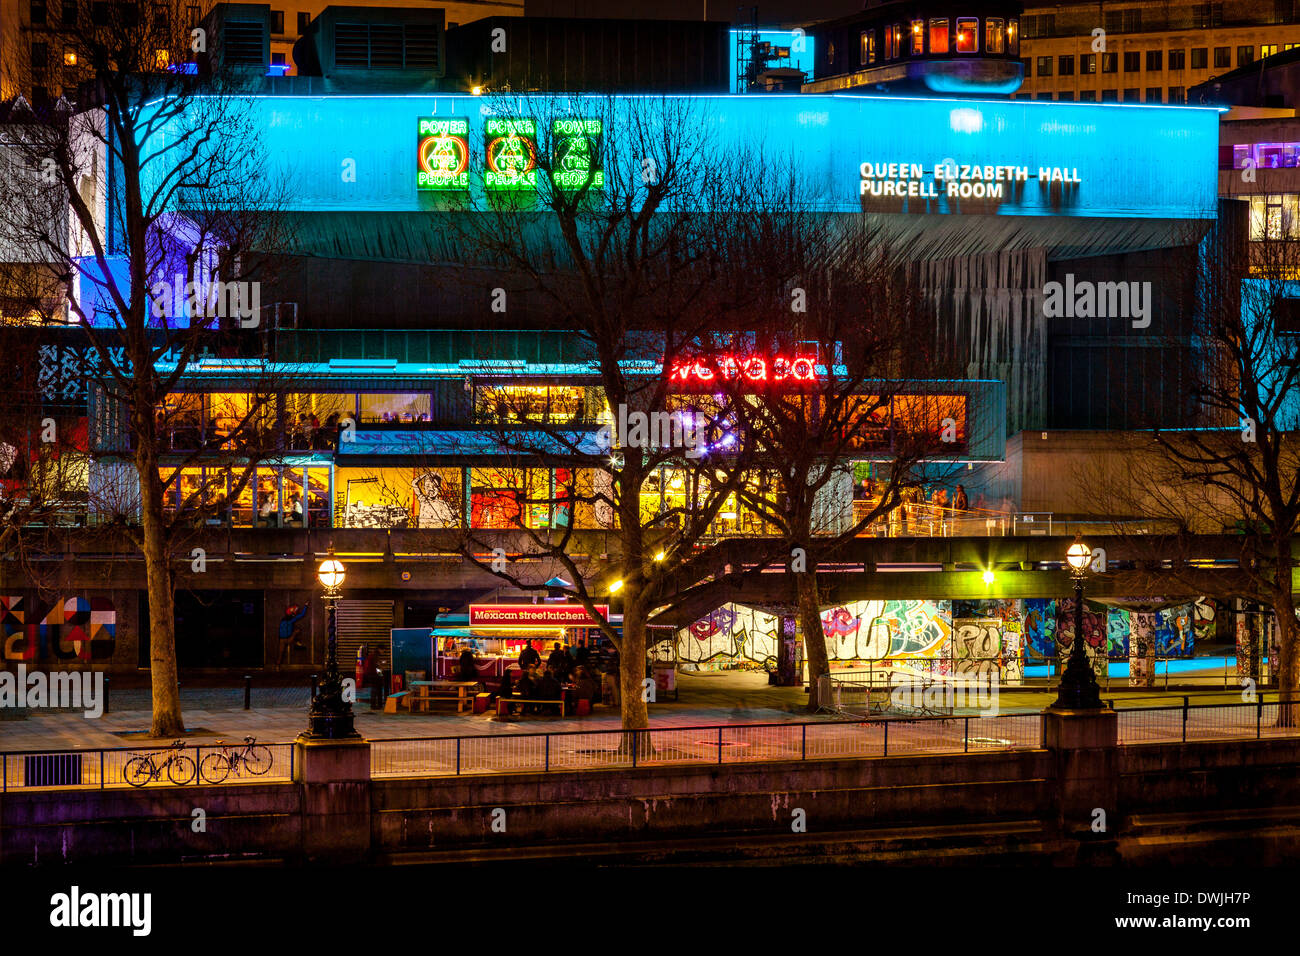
[509, 497]
[1013, 37]
[926, 415]
[995, 35]
[394, 407]
[179, 422]
[311, 419]
[939, 35]
[868, 50]
[968, 32]
[893, 42]
[553, 404]
[918, 37]
[1275, 216]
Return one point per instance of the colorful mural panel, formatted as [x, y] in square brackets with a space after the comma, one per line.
[76, 628]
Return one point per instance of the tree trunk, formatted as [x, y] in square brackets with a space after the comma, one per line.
[814, 638]
[167, 719]
[631, 663]
[1284, 614]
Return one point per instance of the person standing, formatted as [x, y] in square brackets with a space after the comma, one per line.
[961, 503]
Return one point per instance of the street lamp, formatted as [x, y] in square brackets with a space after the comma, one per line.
[1078, 690]
[330, 717]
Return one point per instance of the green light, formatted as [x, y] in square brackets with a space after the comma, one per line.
[443, 154]
[511, 153]
[577, 161]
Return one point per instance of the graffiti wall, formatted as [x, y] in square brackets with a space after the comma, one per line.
[914, 637]
[733, 637]
[61, 629]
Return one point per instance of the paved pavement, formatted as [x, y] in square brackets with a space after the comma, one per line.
[278, 714]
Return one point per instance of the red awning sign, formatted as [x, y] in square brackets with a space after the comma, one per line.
[533, 615]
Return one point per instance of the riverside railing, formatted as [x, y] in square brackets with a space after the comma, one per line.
[1238, 720]
[708, 744]
[118, 767]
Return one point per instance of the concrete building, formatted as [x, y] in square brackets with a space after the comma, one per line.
[1146, 52]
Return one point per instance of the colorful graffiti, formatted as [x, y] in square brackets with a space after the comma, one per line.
[983, 647]
[64, 629]
[731, 637]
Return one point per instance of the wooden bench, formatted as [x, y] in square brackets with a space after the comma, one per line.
[393, 701]
[504, 704]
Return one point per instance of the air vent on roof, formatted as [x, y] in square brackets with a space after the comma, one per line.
[421, 47]
[385, 46]
[243, 42]
[351, 45]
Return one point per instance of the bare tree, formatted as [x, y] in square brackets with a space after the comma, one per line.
[150, 204]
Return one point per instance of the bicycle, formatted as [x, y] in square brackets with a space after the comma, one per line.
[217, 766]
[143, 768]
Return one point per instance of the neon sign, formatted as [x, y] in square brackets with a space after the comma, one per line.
[443, 154]
[577, 159]
[511, 152]
[750, 368]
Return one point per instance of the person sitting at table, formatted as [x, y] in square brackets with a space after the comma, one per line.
[505, 688]
[467, 669]
[525, 689]
[549, 687]
[584, 685]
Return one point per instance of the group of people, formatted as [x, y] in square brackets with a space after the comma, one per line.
[266, 516]
[306, 431]
[572, 669]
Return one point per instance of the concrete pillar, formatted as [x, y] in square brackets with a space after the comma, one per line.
[1085, 744]
[335, 780]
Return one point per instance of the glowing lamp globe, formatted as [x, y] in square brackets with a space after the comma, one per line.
[331, 573]
[1079, 556]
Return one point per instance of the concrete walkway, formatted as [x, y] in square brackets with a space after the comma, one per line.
[278, 714]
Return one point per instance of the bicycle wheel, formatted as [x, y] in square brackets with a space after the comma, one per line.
[180, 770]
[138, 771]
[258, 759]
[214, 767]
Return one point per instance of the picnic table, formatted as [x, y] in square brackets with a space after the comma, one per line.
[425, 692]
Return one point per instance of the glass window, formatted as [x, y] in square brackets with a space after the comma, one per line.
[540, 403]
[1044, 66]
[868, 51]
[1027, 65]
[1177, 94]
[1088, 96]
[1132, 61]
[1155, 61]
[1222, 57]
[1110, 63]
[830, 53]
[405, 407]
[37, 10]
[1088, 63]
[1013, 37]
[277, 21]
[304, 21]
[1132, 95]
[918, 37]
[1066, 96]
[1177, 59]
[1245, 55]
[995, 35]
[508, 497]
[893, 42]
[373, 498]
[1065, 65]
[967, 35]
[1275, 217]
[1200, 58]
[1110, 96]
[1154, 94]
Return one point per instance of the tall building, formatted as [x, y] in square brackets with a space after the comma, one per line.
[1146, 52]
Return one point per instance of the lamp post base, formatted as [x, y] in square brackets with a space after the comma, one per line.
[330, 727]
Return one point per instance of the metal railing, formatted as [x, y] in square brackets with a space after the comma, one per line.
[707, 744]
[1246, 720]
[106, 768]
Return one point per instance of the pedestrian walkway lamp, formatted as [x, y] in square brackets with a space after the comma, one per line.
[1078, 690]
[330, 717]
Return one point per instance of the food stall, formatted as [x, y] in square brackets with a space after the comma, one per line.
[497, 633]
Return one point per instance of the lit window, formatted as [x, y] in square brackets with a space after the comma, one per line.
[868, 47]
[939, 35]
[968, 29]
[995, 35]
[918, 37]
[1267, 49]
[69, 57]
[1275, 217]
[1013, 37]
[161, 59]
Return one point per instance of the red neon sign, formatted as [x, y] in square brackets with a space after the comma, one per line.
[752, 368]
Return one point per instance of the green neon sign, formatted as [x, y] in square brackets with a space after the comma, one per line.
[578, 162]
[443, 153]
[510, 153]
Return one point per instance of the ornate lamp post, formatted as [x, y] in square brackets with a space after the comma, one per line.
[330, 717]
[1078, 690]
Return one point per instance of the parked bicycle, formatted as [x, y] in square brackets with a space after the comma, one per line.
[253, 757]
[146, 768]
